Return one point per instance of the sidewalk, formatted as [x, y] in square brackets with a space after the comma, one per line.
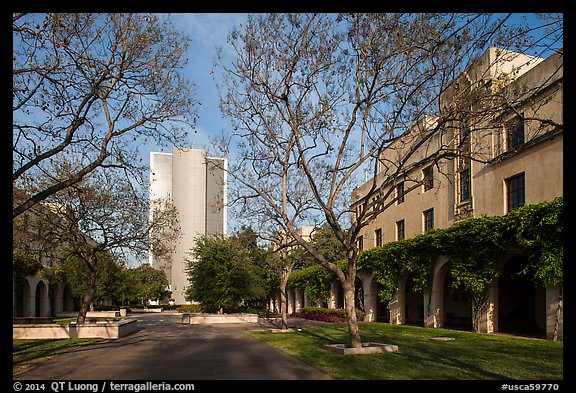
[165, 349]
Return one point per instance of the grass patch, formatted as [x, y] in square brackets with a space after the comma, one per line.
[26, 353]
[63, 321]
[469, 356]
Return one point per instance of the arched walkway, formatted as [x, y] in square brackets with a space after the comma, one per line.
[450, 307]
[521, 304]
[382, 307]
[413, 304]
[33, 297]
[457, 307]
[42, 301]
[22, 295]
[513, 303]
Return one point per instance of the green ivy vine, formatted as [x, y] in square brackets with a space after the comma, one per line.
[477, 248]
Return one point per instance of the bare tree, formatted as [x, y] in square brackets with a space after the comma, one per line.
[88, 90]
[315, 100]
[103, 213]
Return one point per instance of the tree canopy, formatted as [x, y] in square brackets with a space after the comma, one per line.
[88, 91]
[225, 273]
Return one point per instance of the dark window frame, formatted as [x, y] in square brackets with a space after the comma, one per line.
[428, 219]
[465, 185]
[515, 192]
[378, 237]
[428, 178]
[400, 193]
[400, 230]
[515, 136]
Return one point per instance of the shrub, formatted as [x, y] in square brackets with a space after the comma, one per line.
[189, 308]
[326, 314]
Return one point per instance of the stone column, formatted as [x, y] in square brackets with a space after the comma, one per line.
[333, 294]
[58, 297]
[396, 305]
[307, 302]
[434, 302]
[290, 300]
[489, 312]
[370, 295]
[45, 309]
[298, 299]
[29, 298]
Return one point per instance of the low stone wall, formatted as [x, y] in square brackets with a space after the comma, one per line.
[201, 318]
[146, 310]
[103, 314]
[112, 330]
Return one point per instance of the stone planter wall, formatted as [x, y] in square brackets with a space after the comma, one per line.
[115, 329]
[201, 318]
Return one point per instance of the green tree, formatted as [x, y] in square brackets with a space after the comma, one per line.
[223, 273]
[90, 90]
[109, 277]
[104, 214]
[146, 283]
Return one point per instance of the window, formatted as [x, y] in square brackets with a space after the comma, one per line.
[515, 133]
[400, 230]
[497, 142]
[465, 185]
[400, 193]
[515, 192]
[378, 237]
[428, 219]
[359, 210]
[428, 178]
[464, 147]
[360, 243]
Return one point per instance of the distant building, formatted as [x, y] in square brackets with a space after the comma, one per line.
[196, 184]
[34, 296]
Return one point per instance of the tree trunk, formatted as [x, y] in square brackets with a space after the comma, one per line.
[88, 296]
[284, 301]
[558, 313]
[353, 331]
[479, 301]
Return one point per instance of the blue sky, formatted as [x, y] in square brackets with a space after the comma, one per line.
[207, 31]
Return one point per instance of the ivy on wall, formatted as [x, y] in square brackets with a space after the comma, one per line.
[24, 264]
[477, 248]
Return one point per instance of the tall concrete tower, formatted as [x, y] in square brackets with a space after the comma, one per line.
[197, 185]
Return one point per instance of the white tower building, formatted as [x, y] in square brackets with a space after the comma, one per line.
[197, 185]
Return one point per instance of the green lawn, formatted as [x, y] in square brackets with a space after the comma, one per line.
[26, 353]
[469, 356]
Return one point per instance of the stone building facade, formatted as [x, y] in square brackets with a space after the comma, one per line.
[505, 126]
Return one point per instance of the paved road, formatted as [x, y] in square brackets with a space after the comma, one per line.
[165, 349]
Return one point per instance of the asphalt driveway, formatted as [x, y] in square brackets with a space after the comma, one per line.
[165, 349]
